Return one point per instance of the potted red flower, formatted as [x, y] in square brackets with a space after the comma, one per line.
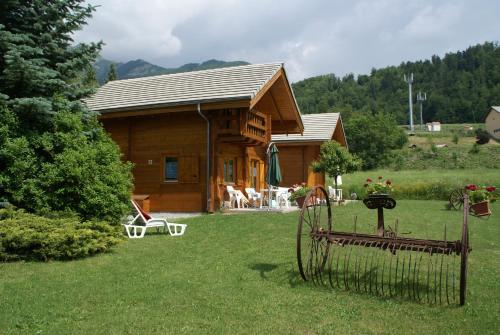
[377, 189]
[480, 197]
[299, 194]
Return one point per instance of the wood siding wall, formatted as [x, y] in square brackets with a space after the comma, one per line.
[295, 163]
[146, 140]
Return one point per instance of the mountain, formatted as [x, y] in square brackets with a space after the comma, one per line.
[460, 87]
[141, 68]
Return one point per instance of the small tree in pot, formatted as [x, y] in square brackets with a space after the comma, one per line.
[335, 160]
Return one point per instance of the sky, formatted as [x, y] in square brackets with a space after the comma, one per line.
[311, 37]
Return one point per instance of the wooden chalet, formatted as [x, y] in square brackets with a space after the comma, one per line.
[298, 151]
[190, 134]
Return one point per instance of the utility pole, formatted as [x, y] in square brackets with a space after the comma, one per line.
[409, 81]
[421, 97]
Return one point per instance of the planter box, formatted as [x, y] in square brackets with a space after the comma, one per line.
[481, 208]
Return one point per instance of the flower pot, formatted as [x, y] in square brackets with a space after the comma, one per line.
[379, 200]
[481, 208]
[300, 201]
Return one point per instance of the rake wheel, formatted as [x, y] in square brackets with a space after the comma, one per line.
[456, 198]
[312, 252]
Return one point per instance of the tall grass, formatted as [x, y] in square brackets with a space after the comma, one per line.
[421, 184]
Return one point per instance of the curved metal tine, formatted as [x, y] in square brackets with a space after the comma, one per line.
[366, 265]
[331, 257]
[359, 259]
[435, 279]
[401, 291]
[384, 258]
[390, 270]
[373, 253]
[408, 279]
[441, 278]
[381, 252]
[347, 260]
[356, 254]
[417, 291]
[415, 257]
[361, 254]
[429, 266]
[341, 247]
[447, 278]
[453, 279]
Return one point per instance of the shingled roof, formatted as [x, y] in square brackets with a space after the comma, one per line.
[230, 83]
[317, 128]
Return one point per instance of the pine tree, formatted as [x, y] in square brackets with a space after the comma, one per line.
[90, 78]
[54, 154]
[112, 75]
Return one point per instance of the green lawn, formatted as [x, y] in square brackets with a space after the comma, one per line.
[238, 274]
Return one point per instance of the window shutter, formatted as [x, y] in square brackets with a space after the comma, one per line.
[262, 176]
[189, 169]
[240, 166]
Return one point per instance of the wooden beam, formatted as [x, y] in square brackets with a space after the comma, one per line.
[142, 111]
[277, 109]
[265, 88]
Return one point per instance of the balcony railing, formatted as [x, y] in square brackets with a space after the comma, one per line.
[241, 125]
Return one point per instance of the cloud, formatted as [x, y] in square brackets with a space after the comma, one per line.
[311, 36]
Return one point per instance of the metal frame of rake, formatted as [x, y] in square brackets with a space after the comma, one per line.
[423, 270]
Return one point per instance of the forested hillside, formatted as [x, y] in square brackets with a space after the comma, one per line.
[460, 88]
[141, 68]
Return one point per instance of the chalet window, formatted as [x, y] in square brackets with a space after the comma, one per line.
[181, 168]
[229, 170]
[171, 169]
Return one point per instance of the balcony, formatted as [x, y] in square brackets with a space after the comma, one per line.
[243, 126]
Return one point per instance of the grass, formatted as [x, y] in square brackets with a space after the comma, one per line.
[238, 274]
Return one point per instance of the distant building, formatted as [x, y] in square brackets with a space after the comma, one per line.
[433, 126]
[492, 122]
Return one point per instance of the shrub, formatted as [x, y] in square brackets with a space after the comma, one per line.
[335, 160]
[372, 137]
[26, 236]
[482, 136]
[67, 170]
[455, 138]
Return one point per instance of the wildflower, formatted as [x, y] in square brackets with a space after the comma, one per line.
[388, 182]
[490, 188]
[369, 180]
[471, 187]
[365, 185]
[380, 177]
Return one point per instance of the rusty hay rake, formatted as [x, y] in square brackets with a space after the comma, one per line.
[386, 264]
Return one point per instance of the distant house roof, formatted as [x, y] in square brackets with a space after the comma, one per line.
[238, 82]
[496, 108]
[317, 128]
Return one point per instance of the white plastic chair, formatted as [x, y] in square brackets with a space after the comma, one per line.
[138, 231]
[253, 195]
[335, 194]
[236, 196]
[283, 197]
